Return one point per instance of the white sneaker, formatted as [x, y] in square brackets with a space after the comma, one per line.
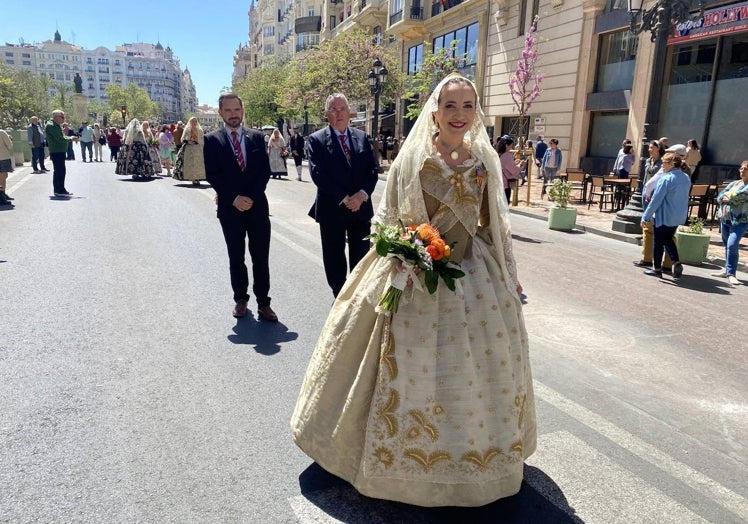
[720, 274]
[733, 280]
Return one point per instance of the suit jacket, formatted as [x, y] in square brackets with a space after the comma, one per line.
[336, 178]
[296, 143]
[227, 178]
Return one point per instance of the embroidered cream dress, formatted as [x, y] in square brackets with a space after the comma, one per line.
[434, 405]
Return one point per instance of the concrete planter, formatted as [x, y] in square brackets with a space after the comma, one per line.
[562, 218]
[692, 247]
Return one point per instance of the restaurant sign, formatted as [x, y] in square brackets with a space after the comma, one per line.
[720, 21]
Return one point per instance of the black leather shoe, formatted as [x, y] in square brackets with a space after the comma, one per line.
[653, 273]
[240, 309]
[642, 263]
[677, 270]
[267, 313]
[667, 270]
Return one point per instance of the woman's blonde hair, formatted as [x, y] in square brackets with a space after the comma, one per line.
[673, 159]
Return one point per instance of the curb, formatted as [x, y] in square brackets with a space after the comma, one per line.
[623, 237]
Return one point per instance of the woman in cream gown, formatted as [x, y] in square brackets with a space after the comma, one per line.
[432, 405]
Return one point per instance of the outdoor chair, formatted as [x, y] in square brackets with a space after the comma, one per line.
[598, 188]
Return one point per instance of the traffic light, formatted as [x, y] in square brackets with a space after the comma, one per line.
[123, 110]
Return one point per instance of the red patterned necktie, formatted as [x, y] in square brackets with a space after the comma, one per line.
[345, 147]
[238, 150]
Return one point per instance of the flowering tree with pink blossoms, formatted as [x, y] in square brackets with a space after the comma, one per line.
[524, 83]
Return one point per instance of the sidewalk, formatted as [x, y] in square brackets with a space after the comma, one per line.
[598, 222]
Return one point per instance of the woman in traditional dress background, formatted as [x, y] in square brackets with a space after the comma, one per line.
[190, 163]
[152, 142]
[276, 148]
[165, 145]
[135, 159]
[432, 405]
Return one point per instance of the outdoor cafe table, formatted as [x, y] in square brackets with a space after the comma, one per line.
[619, 185]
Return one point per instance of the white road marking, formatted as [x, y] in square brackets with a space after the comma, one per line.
[647, 452]
[595, 488]
[12, 187]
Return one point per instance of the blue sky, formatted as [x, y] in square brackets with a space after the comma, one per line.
[203, 34]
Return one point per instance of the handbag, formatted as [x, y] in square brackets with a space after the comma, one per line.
[102, 140]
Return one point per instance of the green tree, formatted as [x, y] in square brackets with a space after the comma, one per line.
[339, 65]
[22, 95]
[434, 67]
[139, 104]
[261, 93]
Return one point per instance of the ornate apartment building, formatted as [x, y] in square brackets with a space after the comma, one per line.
[150, 66]
[597, 73]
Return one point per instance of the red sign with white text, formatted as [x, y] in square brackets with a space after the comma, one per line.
[720, 21]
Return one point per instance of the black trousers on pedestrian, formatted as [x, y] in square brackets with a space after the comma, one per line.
[113, 151]
[58, 172]
[37, 158]
[248, 231]
[334, 235]
[664, 240]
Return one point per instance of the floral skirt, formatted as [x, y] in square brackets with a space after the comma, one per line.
[432, 406]
[135, 161]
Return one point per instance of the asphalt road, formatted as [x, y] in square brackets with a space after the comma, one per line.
[128, 393]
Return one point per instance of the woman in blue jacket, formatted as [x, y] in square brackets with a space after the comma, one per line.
[550, 164]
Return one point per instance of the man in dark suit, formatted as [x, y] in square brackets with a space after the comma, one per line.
[237, 166]
[345, 171]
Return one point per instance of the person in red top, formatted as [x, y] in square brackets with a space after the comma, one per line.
[114, 140]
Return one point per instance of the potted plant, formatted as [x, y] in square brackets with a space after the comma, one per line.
[561, 217]
[692, 242]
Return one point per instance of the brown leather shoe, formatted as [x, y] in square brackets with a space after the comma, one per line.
[267, 313]
[240, 309]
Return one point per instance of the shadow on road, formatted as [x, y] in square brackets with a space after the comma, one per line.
[267, 337]
[203, 185]
[539, 500]
[701, 284]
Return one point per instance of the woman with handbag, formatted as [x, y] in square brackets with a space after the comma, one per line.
[99, 139]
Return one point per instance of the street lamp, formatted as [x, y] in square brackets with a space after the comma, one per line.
[306, 121]
[377, 78]
[658, 20]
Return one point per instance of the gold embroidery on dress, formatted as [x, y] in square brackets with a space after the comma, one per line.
[520, 401]
[385, 456]
[427, 461]
[482, 461]
[388, 353]
[517, 447]
[388, 413]
[420, 418]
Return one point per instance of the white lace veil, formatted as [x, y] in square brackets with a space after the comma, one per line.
[403, 199]
[134, 132]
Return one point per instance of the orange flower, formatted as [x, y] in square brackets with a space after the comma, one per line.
[434, 251]
[427, 232]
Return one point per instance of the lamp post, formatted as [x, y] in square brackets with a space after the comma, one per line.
[306, 121]
[377, 77]
[658, 20]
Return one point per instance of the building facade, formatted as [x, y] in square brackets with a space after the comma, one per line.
[598, 80]
[155, 69]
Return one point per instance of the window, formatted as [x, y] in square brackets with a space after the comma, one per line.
[606, 132]
[415, 59]
[9, 61]
[8, 53]
[617, 60]
[466, 46]
[27, 62]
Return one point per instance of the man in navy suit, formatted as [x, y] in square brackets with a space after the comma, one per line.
[345, 171]
[237, 166]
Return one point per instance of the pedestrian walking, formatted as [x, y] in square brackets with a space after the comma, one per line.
[36, 142]
[667, 210]
[733, 221]
[6, 165]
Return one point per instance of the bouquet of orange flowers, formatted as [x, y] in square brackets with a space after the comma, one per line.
[419, 248]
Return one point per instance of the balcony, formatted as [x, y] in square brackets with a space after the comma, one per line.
[408, 23]
[370, 13]
[439, 7]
